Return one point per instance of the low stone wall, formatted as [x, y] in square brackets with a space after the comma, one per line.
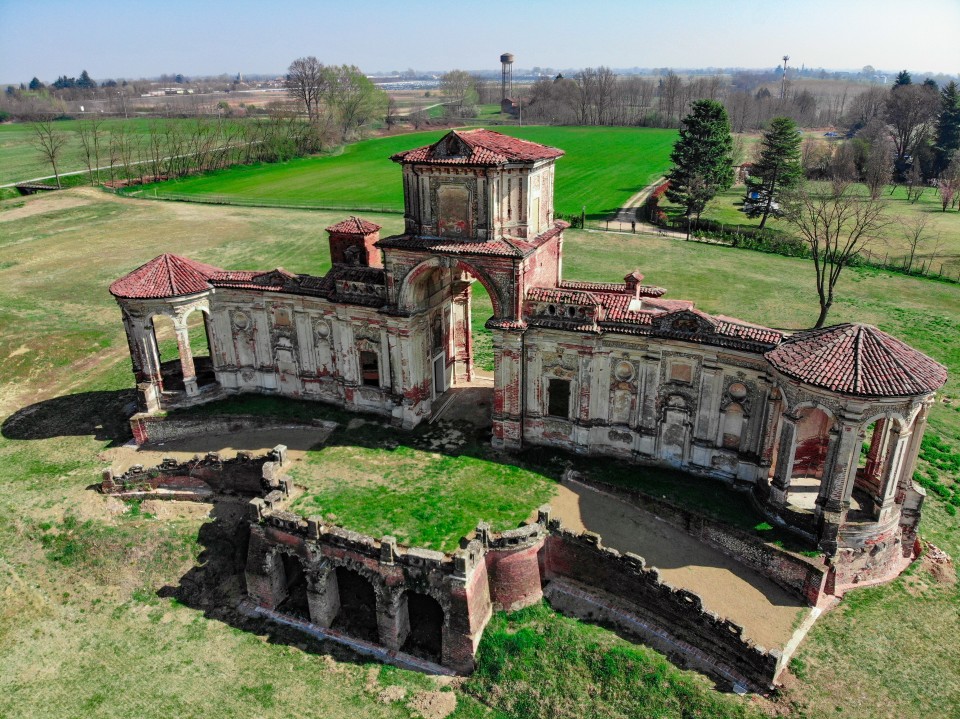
[149, 428]
[202, 477]
[802, 576]
[583, 559]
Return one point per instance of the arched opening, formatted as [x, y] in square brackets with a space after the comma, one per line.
[199, 333]
[296, 585]
[455, 302]
[425, 638]
[812, 442]
[358, 606]
[168, 353]
[195, 350]
[875, 469]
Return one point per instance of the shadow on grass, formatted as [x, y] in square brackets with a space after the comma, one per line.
[101, 415]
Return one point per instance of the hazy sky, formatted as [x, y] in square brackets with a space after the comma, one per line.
[135, 38]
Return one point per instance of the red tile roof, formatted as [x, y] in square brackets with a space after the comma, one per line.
[612, 287]
[354, 225]
[477, 147]
[503, 247]
[656, 318]
[165, 276]
[857, 360]
[270, 280]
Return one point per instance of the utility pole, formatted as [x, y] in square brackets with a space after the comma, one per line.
[783, 80]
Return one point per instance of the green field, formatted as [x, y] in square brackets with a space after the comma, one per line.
[19, 159]
[87, 625]
[602, 168]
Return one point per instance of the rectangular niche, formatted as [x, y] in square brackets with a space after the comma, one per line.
[453, 211]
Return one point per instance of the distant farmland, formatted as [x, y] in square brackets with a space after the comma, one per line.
[602, 168]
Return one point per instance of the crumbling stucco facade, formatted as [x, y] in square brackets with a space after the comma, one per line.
[599, 368]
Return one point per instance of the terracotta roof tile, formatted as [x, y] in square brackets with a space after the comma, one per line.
[354, 226]
[477, 147]
[165, 276]
[612, 287]
[857, 360]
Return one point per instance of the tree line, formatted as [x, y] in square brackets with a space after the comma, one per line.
[118, 152]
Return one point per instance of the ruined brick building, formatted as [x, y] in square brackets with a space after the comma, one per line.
[608, 368]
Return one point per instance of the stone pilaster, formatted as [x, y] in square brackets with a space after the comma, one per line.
[780, 487]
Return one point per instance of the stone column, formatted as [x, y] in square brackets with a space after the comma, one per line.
[898, 441]
[913, 449]
[323, 596]
[186, 357]
[780, 487]
[393, 619]
[837, 483]
[874, 466]
[507, 389]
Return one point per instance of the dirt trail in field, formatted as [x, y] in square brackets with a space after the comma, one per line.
[40, 204]
[766, 612]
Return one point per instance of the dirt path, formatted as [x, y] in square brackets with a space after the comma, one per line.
[766, 612]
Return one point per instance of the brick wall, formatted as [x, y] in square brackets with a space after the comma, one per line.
[583, 560]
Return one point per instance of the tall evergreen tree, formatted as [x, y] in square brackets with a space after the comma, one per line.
[35, 84]
[702, 158]
[778, 166]
[948, 126]
[903, 78]
[85, 81]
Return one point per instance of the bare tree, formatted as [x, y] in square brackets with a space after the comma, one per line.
[878, 165]
[836, 223]
[915, 233]
[49, 143]
[307, 81]
[89, 132]
[911, 110]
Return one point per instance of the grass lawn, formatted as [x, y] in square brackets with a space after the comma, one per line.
[87, 627]
[941, 247]
[602, 168]
[414, 490]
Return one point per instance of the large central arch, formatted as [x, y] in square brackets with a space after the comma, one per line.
[406, 294]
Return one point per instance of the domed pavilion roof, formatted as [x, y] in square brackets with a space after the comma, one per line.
[858, 360]
[165, 276]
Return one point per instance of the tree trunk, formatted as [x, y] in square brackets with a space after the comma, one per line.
[824, 309]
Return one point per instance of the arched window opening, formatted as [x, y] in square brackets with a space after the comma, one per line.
[168, 352]
[358, 606]
[810, 456]
[295, 580]
[199, 333]
[426, 627]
